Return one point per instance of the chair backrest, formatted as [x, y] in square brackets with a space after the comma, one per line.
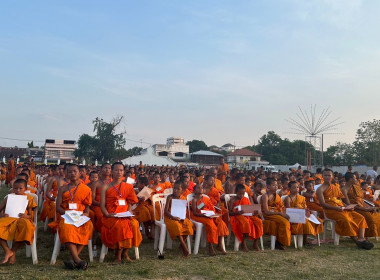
[227, 198]
[259, 199]
[189, 199]
[283, 197]
[35, 212]
[161, 199]
[45, 189]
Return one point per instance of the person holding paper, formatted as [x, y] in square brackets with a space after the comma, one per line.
[216, 229]
[74, 196]
[348, 222]
[119, 233]
[176, 227]
[276, 222]
[355, 195]
[311, 198]
[294, 200]
[11, 169]
[18, 229]
[244, 226]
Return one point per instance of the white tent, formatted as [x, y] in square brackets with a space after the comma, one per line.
[149, 158]
[295, 166]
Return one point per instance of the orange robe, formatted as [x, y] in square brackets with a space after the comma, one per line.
[19, 229]
[248, 191]
[178, 228]
[48, 209]
[97, 211]
[122, 233]
[313, 204]
[221, 169]
[70, 233]
[214, 195]
[215, 227]
[275, 224]
[3, 173]
[11, 171]
[219, 186]
[307, 228]
[250, 225]
[355, 195]
[347, 223]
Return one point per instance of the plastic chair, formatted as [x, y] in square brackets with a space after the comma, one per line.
[199, 228]
[297, 239]
[334, 235]
[160, 227]
[104, 252]
[168, 191]
[272, 237]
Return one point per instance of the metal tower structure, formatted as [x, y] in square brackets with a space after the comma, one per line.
[313, 126]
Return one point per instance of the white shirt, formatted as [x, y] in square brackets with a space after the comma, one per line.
[372, 173]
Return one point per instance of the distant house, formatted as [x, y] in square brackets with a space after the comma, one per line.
[175, 149]
[205, 158]
[241, 157]
[59, 149]
[228, 148]
[214, 148]
[16, 151]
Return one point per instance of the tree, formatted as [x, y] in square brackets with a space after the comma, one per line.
[340, 154]
[197, 145]
[367, 143]
[31, 145]
[107, 144]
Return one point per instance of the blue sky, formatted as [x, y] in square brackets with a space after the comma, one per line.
[220, 71]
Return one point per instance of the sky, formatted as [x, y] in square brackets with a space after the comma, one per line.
[218, 71]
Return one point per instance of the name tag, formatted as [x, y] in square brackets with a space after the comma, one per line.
[311, 199]
[201, 205]
[27, 191]
[158, 189]
[73, 206]
[121, 202]
[366, 192]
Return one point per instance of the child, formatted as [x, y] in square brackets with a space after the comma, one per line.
[20, 230]
[177, 227]
[244, 226]
[294, 200]
[216, 229]
[311, 198]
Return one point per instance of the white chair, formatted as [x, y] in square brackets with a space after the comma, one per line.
[200, 231]
[272, 237]
[334, 235]
[227, 198]
[168, 191]
[104, 252]
[160, 227]
[297, 239]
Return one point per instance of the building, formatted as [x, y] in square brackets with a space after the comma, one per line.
[36, 153]
[228, 148]
[175, 149]
[206, 158]
[59, 149]
[15, 151]
[241, 157]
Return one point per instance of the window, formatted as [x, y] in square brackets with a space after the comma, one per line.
[70, 142]
[51, 141]
[241, 158]
[179, 154]
[163, 154]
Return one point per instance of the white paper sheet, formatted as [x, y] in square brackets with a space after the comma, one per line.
[16, 204]
[313, 219]
[316, 187]
[376, 195]
[130, 181]
[124, 214]
[145, 193]
[297, 216]
[75, 218]
[208, 213]
[179, 208]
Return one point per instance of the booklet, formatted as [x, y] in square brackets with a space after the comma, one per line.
[16, 204]
[313, 219]
[249, 209]
[145, 193]
[297, 216]
[210, 213]
[130, 181]
[124, 214]
[179, 208]
[75, 218]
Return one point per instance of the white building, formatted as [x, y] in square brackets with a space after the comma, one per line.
[228, 148]
[242, 157]
[175, 149]
[59, 149]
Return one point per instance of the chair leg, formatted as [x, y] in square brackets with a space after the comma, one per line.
[28, 251]
[169, 241]
[103, 253]
[10, 244]
[272, 242]
[236, 244]
[46, 223]
[198, 234]
[34, 252]
[156, 236]
[90, 253]
[162, 239]
[336, 239]
[204, 238]
[189, 244]
[319, 240]
[57, 247]
[137, 253]
[294, 237]
[262, 243]
[300, 241]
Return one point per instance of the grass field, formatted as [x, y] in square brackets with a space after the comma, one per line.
[326, 262]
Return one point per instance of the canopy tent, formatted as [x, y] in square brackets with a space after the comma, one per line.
[295, 166]
[149, 158]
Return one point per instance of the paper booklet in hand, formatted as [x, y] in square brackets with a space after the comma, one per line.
[16, 204]
[130, 181]
[75, 218]
[145, 193]
[124, 214]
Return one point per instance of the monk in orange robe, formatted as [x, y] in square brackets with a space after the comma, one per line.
[311, 199]
[294, 200]
[347, 222]
[119, 233]
[176, 227]
[21, 229]
[276, 221]
[356, 196]
[83, 175]
[215, 197]
[49, 206]
[244, 226]
[95, 187]
[218, 184]
[216, 228]
[74, 196]
[11, 170]
[368, 193]
[222, 170]
[3, 173]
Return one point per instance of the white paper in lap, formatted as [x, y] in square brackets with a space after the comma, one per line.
[314, 219]
[145, 193]
[208, 213]
[124, 214]
[297, 216]
[16, 204]
[179, 208]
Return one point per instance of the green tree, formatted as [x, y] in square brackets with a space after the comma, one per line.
[31, 145]
[197, 145]
[367, 143]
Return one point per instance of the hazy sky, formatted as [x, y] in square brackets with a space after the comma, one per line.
[220, 71]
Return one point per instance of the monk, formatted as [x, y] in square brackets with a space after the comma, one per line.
[240, 180]
[222, 170]
[29, 189]
[216, 228]
[176, 227]
[21, 229]
[294, 200]
[276, 221]
[3, 173]
[119, 234]
[95, 196]
[74, 196]
[311, 198]
[11, 169]
[348, 222]
[83, 175]
[355, 195]
[49, 207]
[218, 183]
[242, 226]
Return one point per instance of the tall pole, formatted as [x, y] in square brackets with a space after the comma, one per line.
[322, 151]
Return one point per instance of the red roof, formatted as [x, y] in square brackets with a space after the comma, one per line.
[244, 152]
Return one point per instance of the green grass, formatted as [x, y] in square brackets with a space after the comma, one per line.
[326, 262]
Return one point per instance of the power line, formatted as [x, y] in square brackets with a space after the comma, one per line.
[26, 140]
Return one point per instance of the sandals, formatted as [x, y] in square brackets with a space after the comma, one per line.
[82, 265]
[364, 244]
[69, 264]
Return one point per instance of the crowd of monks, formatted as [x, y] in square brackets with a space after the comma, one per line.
[101, 193]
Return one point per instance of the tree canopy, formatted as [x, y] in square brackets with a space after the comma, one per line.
[197, 145]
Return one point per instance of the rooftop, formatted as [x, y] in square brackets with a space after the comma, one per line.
[244, 152]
